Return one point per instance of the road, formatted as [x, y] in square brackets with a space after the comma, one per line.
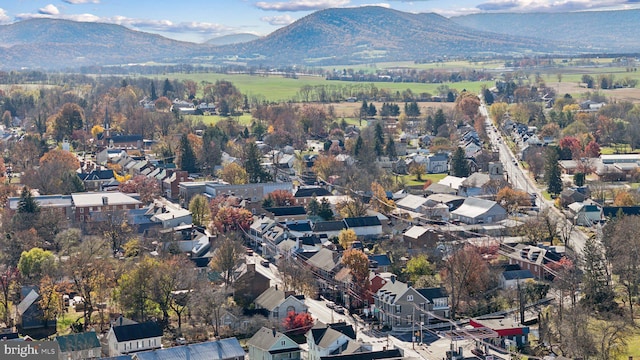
[519, 178]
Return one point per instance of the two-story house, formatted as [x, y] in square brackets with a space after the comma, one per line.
[81, 346]
[397, 303]
[277, 303]
[132, 338]
[329, 339]
[437, 163]
[269, 344]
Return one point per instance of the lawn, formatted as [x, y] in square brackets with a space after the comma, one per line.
[276, 88]
[633, 347]
[618, 149]
[65, 321]
[410, 180]
[244, 119]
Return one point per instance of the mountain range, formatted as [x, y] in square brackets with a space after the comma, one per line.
[333, 36]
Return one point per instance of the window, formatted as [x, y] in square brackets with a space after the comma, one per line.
[398, 309]
[283, 343]
[409, 297]
[81, 210]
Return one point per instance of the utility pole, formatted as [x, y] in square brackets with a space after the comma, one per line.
[413, 328]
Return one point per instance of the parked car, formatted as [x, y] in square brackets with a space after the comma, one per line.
[264, 263]
[331, 305]
[181, 341]
[339, 309]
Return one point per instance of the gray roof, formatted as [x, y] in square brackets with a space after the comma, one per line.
[323, 259]
[326, 334]
[433, 293]
[265, 338]
[97, 199]
[28, 300]
[77, 342]
[212, 350]
[137, 331]
[476, 180]
[335, 225]
[474, 207]
[270, 298]
[517, 274]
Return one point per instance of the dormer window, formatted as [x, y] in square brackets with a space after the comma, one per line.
[409, 297]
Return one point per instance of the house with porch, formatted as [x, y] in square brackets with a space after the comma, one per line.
[278, 303]
[269, 344]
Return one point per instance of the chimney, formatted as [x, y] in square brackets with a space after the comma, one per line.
[393, 279]
[273, 331]
[276, 287]
[251, 267]
[289, 293]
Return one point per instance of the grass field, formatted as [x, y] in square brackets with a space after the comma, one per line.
[277, 88]
[410, 180]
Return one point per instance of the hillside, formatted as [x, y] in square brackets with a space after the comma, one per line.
[608, 31]
[231, 39]
[364, 34]
[54, 44]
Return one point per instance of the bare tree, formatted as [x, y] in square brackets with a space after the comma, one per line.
[227, 256]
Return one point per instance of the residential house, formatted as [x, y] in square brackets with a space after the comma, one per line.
[511, 278]
[80, 346]
[437, 163]
[287, 213]
[269, 344]
[396, 303]
[413, 203]
[419, 238]
[132, 338]
[476, 184]
[451, 201]
[586, 213]
[168, 214]
[328, 339]
[278, 303]
[380, 262]
[93, 206]
[328, 229]
[325, 264]
[124, 141]
[304, 194]
[368, 227]
[95, 180]
[223, 349]
[453, 182]
[109, 155]
[437, 188]
[61, 203]
[170, 185]
[479, 211]
[568, 167]
[30, 313]
[535, 258]
[251, 192]
[249, 283]
[376, 281]
[569, 196]
[368, 355]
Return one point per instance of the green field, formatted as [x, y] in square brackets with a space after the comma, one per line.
[278, 88]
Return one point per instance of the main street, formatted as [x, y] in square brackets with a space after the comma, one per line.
[519, 178]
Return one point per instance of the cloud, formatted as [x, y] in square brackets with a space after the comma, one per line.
[76, 2]
[49, 10]
[384, 5]
[4, 18]
[279, 20]
[551, 5]
[301, 5]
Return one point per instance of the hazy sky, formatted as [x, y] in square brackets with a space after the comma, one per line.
[199, 20]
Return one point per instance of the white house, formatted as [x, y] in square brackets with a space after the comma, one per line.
[437, 163]
[269, 344]
[511, 279]
[479, 211]
[81, 346]
[328, 339]
[132, 338]
[365, 226]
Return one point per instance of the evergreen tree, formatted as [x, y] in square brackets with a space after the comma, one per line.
[378, 145]
[325, 211]
[364, 109]
[27, 204]
[391, 148]
[451, 97]
[488, 96]
[372, 110]
[153, 95]
[459, 163]
[412, 109]
[438, 120]
[359, 147]
[223, 107]
[252, 164]
[187, 156]
[597, 289]
[313, 208]
[552, 171]
[167, 89]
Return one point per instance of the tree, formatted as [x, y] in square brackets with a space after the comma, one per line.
[133, 292]
[358, 264]
[459, 163]
[417, 170]
[227, 256]
[9, 277]
[578, 179]
[187, 155]
[592, 149]
[172, 275]
[512, 199]
[552, 171]
[346, 237]
[199, 207]
[378, 145]
[162, 104]
[27, 204]
[439, 120]
[154, 95]
[7, 119]
[391, 149]
[146, 187]
[418, 267]
[56, 173]
[50, 299]
[352, 208]
[33, 264]
[207, 304]
[297, 323]
[325, 211]
[379, 201]
[623, 198]
[70, 117]
[297, 277]
[466, 276]
[234, 174]
[115, 229]
[252, 164]
[279, 198]
[597, 291]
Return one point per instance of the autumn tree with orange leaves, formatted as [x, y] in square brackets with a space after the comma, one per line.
[358, 264]
[227, 216]
[297, 323]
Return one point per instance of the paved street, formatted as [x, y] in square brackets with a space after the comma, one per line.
[520, 179]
